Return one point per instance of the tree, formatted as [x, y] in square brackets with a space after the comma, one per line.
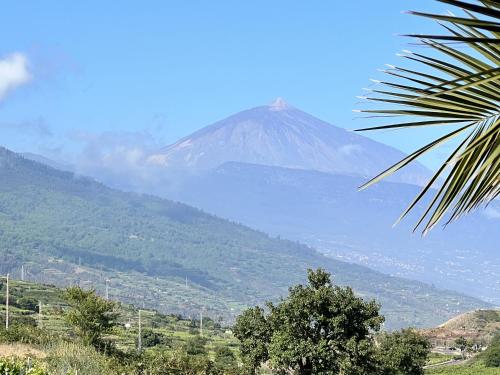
[403, 352]
[463, 344]
[459, 89]
[90, 315]
[318, 329]
[254, 333]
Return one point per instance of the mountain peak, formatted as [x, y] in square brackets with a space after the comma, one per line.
[281, 135]
[279, 104]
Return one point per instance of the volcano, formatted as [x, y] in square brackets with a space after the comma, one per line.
[283, 136]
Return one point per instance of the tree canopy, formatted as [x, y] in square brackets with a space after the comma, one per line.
[318, 328]
[403, 352]
[90, 315]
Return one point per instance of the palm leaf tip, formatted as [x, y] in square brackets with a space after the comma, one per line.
[464, 87]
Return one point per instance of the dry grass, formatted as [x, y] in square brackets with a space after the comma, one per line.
[20, 351]
[479, 326]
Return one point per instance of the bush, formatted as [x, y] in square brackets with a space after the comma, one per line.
[491, 355]
[27, 303]
[20, 320]
[403, 352]
[175, 362]
[196, 346]
[26, 334]
[18, 367]
[151, 338]
[65, 358]
[225, 360]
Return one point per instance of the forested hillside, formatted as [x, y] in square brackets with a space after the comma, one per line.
[67, 229]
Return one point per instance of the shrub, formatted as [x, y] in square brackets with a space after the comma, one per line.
[18, 367]
[196, 346]
[175, 362]
[225, 360]
[27, 303]
[492, 354]
[26, 334]
[151, 338]
[64, 358]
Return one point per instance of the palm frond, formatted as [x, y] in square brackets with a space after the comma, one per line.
[462, 89]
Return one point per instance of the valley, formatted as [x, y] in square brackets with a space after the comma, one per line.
[72, 230]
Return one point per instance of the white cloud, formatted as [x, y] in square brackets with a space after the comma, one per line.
[120, 160]
[14, 72]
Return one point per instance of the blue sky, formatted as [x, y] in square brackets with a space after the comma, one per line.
[153, 71]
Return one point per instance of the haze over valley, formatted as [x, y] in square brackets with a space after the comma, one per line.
[253, 166]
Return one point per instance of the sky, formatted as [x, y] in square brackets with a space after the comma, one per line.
[82, 75]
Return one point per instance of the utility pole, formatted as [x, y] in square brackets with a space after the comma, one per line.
[22, 272]
[7, 305]
[107, 289]
[139, 338]
[201, 323]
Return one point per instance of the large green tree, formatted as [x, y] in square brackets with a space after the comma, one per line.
[90, 315]
[453, 83]
[403, 352]
[253, 331]
[318, 329]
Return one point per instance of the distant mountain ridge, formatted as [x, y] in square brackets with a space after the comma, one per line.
[67, 229]
[284, 136]
[327, 212]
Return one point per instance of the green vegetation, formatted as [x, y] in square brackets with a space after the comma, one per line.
[318, 328]
[81, 331]
[325, 329]
[457, 89]
[435, 358]
[90, 315]
[464, 345]
[404, 352]
[69, 230]
[473, 368]
[253, 330]
[491, 357]
[18, 367]
[487, 362]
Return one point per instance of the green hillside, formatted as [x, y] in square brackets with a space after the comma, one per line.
[67, 229]
[50, 344]
[177, 330]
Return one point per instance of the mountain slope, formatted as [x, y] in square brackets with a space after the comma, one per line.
[281, 135]
[326, 211]
[480, 326]
[66, 229]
